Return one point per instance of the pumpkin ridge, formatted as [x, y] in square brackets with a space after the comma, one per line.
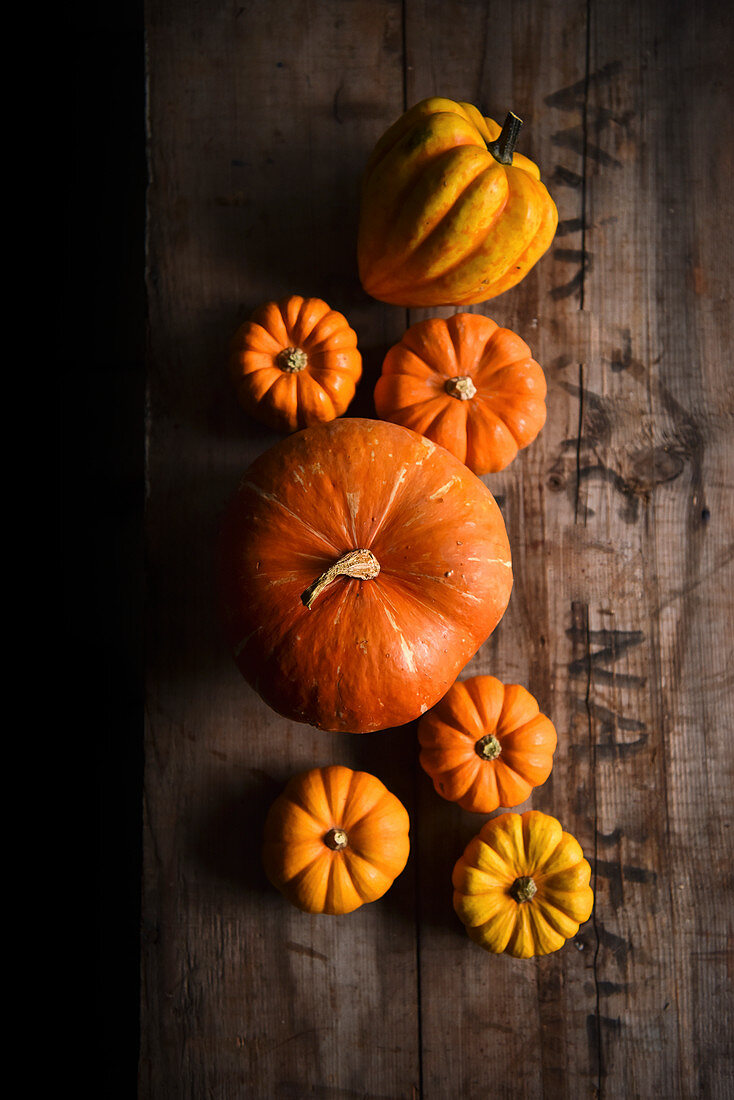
[419, 284]
[389, 505]
[432, 612]
[272, 499]
[241, 383]
[510, 260]
[314, 810]
[549, 938]
[354, 856]
[415, 406]
[429, 608]
[401, 127]
[335, 797]
[325, 328]
[302, 870]
[355, 782]
[309, 316]
[523, 787]
[483, 792]
[550, 215]
[480, 408]
[305, 382]
[410, 173]
[484, 369]
[446, 154]
[384, 803]
[433, 163]
[426, 369]
[424, 109]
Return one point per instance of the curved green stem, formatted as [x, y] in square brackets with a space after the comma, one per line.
[503, 148]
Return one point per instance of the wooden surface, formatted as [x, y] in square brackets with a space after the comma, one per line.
[261, 116]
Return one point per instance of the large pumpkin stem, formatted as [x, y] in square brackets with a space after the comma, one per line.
[503, 148]
[523, 889]
[360, 564]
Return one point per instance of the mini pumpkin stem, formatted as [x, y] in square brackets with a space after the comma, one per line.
[488, 747]
[462, 387]
[360, 564]
[336, 839]
[291, 360]
[503, 148]
[523, 889]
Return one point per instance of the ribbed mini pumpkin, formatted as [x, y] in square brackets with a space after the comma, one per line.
[361, 567]
[522, 885]
[467, 384]
[335, 839]
[486, 744]
[450, 213]
[295, 363]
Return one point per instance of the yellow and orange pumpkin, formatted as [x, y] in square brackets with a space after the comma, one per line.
[522, 885]
[450, 213]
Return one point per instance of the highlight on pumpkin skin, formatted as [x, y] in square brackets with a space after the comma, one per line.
[334, 840]
[295, 363]
[522, 886]
[486, 744]
[451, 214]
[466, 384]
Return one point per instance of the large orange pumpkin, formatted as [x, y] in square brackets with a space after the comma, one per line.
[295, 363]
[468, 385]
[335, 839]
[361, 568]
[450, 214]
[486, 744]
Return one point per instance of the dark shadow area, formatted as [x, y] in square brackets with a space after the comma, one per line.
[227, 843]
[100, 480]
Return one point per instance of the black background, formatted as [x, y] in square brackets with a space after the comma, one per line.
[101, 335]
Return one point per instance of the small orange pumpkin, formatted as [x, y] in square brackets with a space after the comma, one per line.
[295, 363]
[468, 385]
[450, 213]
[335, 839]
[486, 744]
[522, 885]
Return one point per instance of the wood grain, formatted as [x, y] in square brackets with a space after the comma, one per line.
[261, 116]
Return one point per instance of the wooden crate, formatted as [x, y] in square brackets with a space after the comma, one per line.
[261, 116]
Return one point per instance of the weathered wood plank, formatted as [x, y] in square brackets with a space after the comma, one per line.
[620, 455]
[260, 116]
[522, 1030]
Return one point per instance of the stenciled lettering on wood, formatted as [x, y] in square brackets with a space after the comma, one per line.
[575, 138]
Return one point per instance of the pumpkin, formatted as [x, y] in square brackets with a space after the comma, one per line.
[468, 385]
[486, 744]
[450, 214]
[522, 885]
[335, 839]
[361, 567]
[295, 363]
